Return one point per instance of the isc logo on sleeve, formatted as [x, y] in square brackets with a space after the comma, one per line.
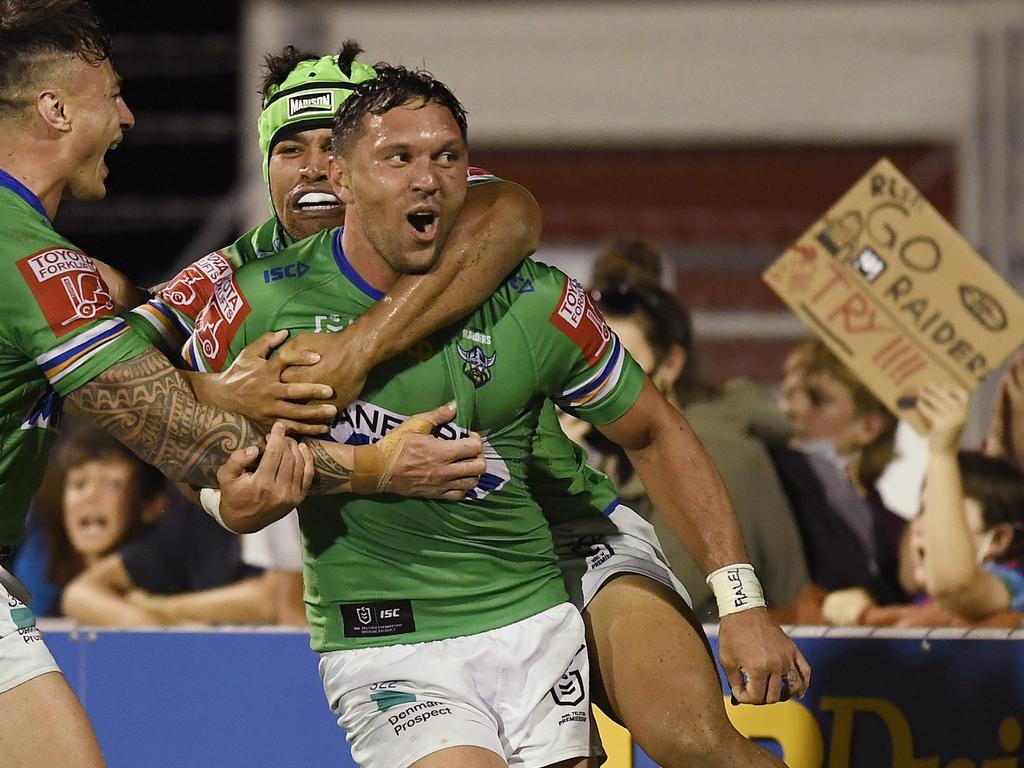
[67, 287]
[298, 269]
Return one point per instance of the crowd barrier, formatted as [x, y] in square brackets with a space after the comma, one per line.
[899, 698]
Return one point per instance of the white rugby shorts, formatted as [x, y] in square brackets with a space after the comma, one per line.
[520, 691]
[592, 550]
[23, 655]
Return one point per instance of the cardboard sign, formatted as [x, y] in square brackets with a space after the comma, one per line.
[897, 294]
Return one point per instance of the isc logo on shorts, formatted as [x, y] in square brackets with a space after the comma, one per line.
[569, 690]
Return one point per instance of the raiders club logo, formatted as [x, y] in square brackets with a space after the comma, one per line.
[477, 365]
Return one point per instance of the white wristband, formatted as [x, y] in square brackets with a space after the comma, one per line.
[736, 589]
[209, 498]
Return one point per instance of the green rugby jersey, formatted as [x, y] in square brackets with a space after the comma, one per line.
[167, 320]
[383, 570]
[561, 481]
[58, 331]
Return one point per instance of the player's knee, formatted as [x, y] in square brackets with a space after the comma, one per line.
[696, 744]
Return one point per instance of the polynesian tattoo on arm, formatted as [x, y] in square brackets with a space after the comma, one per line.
[332, 476]
[149, 406]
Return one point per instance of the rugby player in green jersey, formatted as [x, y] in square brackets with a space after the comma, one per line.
[60, 112]
[357, 270]
[496, 229]
[612, 562]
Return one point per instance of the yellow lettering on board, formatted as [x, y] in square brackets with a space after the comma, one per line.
[899, 731]
[616, 740]
[789, 723]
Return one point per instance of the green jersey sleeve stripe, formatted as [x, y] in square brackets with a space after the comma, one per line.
[598, 386]
[164, 320]
[64, 358]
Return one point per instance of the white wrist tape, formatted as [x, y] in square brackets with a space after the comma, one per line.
[209, 498]
[736, 588]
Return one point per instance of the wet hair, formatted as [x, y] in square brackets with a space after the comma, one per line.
[628, 261]
[35, 33]
[876, 455]
[998, 487]
[665, 324]
[393, 87]
[277, 68]
[79, 448]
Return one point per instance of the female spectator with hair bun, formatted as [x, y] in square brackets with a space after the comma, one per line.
[628, 261]
[656, 331]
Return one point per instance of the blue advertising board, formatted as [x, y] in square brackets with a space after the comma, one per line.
[905, 699]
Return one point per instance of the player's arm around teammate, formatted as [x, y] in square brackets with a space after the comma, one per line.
[497, 228]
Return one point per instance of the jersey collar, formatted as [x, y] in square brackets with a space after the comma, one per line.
[350, 272]
[9, 182]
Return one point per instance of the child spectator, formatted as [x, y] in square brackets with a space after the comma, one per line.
[186, 570]
[109, 496]
[966, 552]
[972, 517]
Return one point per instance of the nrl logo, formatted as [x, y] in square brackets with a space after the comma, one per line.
[478, 365]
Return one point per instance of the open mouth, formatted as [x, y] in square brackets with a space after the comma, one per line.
[317, 202]
[92, 526]
[424, 223]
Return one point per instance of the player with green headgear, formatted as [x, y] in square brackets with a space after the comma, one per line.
[497, 229]
[308, 97]
[602, 546]
[391, 582]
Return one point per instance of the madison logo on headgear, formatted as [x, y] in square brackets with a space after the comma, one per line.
[218, 323]
[579, 318]
[303, 103]
[67, 287]
[191, 288]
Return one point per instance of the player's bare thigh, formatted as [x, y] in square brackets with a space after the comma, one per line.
[461, 757]
[42, 724]
[478, 757]
[658, 675]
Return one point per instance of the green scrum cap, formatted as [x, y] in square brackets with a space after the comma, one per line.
[307, 99]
